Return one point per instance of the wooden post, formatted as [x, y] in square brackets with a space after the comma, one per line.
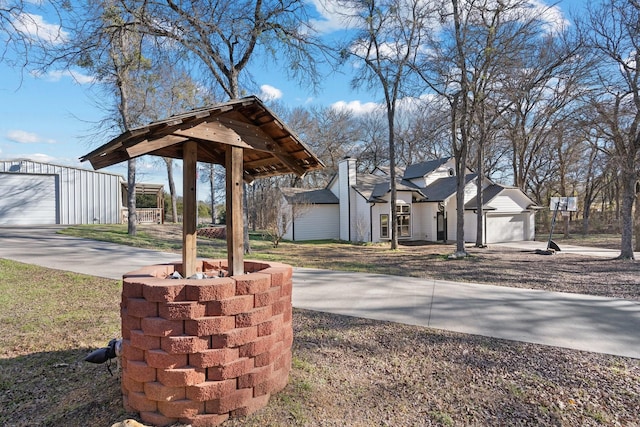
[235, 238]
[189, 209]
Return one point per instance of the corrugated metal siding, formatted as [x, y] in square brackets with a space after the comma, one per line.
[84, 196]
[27, 199]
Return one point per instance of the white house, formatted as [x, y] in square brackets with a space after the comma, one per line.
[356, 207]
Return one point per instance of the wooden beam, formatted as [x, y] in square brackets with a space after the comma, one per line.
[258, 139]
[235, 220]
[110, 159]
[190, 208]
[214, 132]
[210, 153]
[148, 146]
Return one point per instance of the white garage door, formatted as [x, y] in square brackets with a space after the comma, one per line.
[505, 228]
[27, 199]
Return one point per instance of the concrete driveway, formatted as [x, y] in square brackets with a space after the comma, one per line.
[597, 324]
[564, 249]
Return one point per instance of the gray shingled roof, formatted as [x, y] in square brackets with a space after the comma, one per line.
[366, 184]
[421, 169]
[304, 195]
[487, 195]
[384, 187]
[443, 188]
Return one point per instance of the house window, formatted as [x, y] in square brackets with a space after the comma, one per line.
[404, 222]
[384, 226]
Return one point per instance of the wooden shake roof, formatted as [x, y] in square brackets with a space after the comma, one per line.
[269, 146]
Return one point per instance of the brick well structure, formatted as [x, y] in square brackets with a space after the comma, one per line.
[201, 351]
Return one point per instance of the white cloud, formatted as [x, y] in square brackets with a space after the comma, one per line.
[35, 27]
[333, 16]
[356, 107]
[57, 75]
[553, 20]
[24, 137]
[407, 104]
[270, 93]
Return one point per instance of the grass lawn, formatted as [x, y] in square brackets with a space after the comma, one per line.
[346, 371]
[50, 321]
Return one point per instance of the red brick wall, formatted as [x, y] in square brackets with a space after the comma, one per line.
[201, 351]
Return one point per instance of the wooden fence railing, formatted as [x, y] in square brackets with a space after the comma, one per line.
[145, 215]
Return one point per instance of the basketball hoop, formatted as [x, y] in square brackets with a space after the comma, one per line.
[566, 205]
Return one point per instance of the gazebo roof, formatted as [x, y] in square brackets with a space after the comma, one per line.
[269, 146]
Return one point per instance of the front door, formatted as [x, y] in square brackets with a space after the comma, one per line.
[441, 227]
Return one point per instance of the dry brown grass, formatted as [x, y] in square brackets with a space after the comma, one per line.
[357, 372]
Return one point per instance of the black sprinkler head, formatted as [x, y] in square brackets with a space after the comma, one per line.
[101, 355]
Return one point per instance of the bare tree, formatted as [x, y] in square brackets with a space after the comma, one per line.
[24, 33]
[445, 68]
[391, 33]
[422, 131]
[373, 148]
[593, 174]
[280, 215]
[170, 90]
[105, 40]
[225, 36]
[612, 34]
[473, 62]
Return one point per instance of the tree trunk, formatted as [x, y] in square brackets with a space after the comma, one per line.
[392, 175]
[132, 225]
[212, 188]
[245, 219]
[460, 148]
[637, 219]
[628, 198]
[172, 189]
[479, 199]
[460, 204]
[567, 223]
[586, 213]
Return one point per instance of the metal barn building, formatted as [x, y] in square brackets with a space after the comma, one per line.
[34, 193]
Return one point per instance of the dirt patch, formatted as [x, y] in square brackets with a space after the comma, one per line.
[358, 372]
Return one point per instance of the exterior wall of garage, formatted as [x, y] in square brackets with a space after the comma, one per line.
[81, 196]
[28, 199]
[316, 222]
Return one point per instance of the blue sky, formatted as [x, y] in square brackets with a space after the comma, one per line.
[50, 118]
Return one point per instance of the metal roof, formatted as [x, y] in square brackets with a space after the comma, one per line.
[269, 146]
